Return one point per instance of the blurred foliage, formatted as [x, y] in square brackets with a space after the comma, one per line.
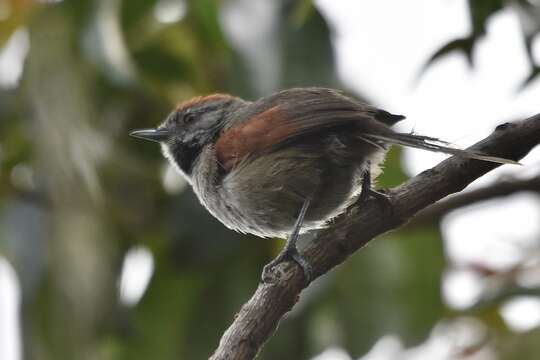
[76, 193]
[480, 12]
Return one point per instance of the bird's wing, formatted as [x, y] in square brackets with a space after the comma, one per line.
[290, 115]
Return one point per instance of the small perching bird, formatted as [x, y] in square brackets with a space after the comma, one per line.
[286, 163]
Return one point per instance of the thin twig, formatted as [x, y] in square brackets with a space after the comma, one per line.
[499, 189]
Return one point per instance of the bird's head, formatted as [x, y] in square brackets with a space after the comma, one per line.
[190, 127]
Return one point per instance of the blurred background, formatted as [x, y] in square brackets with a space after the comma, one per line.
[106, 254]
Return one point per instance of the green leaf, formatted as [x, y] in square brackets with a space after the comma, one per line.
[19, 14]
[480, 12]
[463, 45]
[533, 75]
[302, 10]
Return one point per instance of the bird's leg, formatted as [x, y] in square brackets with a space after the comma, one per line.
[367, 189]
[290, 251]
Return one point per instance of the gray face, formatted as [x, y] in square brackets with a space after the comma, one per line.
[192, 126]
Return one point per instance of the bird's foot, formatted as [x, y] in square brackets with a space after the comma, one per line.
[368, 191]
[287, 254]
[382, 197]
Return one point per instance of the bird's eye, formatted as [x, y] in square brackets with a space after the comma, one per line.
[189, 118]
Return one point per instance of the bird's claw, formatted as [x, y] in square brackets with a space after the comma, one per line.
[288, 254]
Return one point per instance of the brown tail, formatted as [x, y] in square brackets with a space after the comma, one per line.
[432, 144]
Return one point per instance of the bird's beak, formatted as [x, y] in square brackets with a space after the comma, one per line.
[157, 135]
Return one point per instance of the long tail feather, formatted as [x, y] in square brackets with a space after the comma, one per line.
[435, 145]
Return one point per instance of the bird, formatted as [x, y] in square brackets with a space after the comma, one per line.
[286, 163]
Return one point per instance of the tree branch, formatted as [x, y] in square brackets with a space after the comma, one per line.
[260, 316]
[499, 189]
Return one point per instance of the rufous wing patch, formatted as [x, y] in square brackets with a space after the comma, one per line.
[259, 132]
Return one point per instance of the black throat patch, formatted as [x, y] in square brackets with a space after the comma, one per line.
[185, 155]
